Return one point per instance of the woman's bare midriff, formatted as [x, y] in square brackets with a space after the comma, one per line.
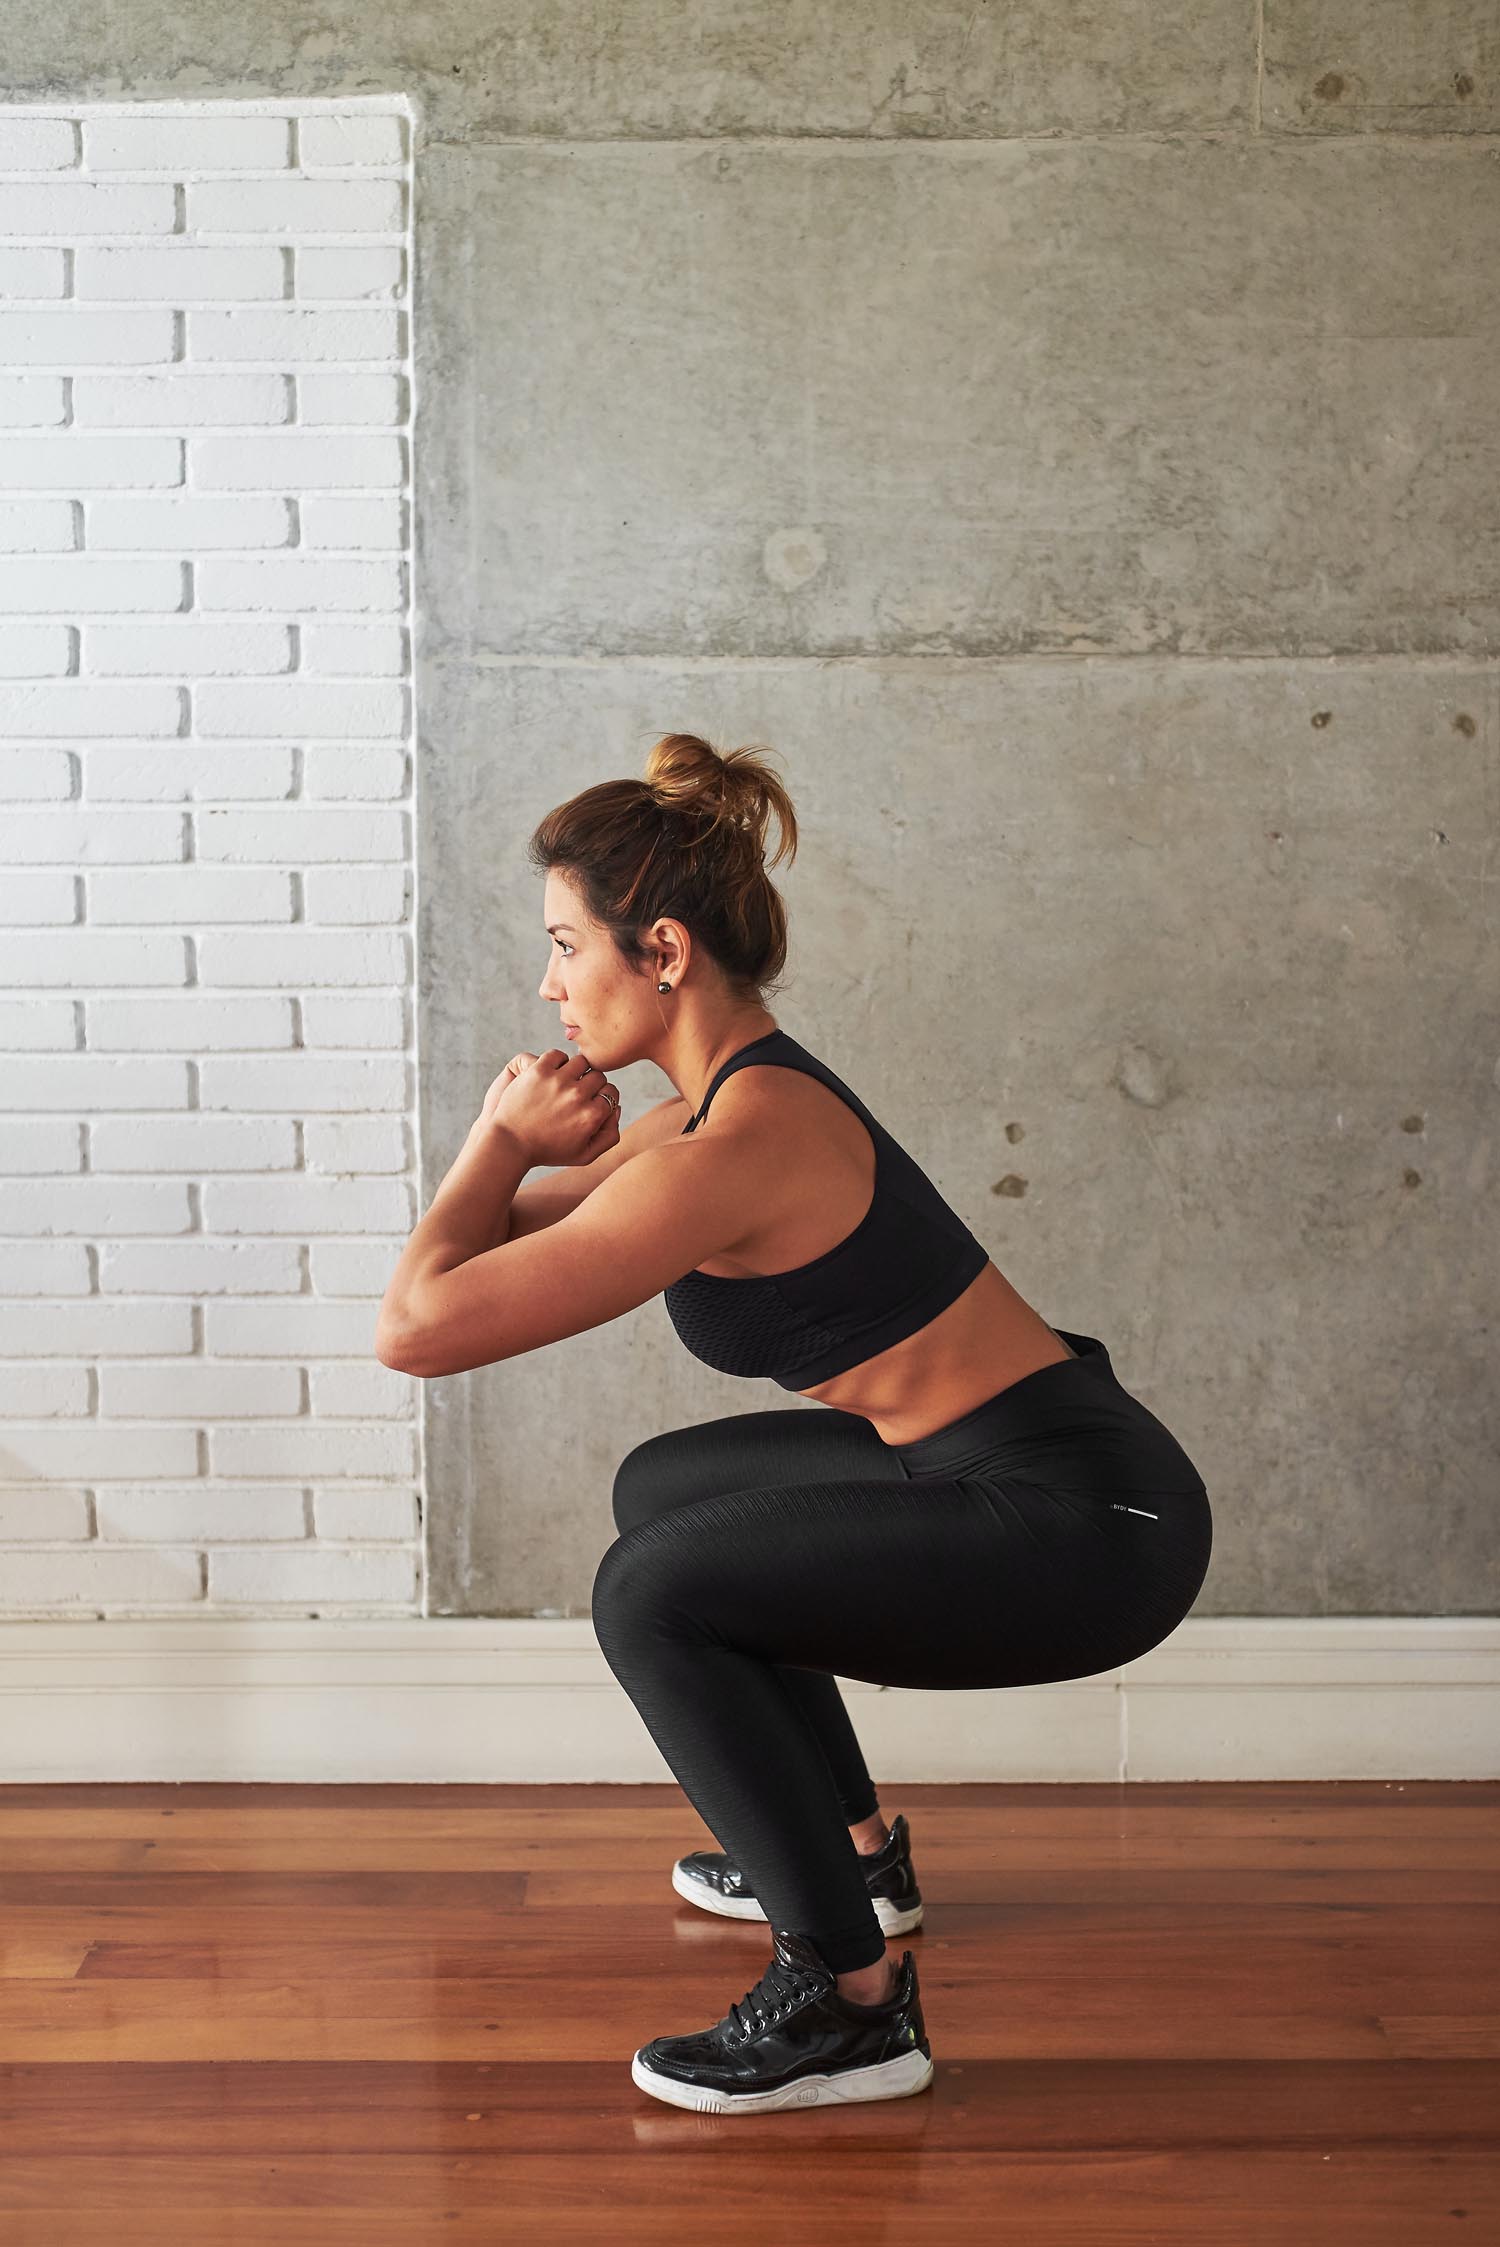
[985, 1340]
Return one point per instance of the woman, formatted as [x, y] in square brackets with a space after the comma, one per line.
[980, 1503]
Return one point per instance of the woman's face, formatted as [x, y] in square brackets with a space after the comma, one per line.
[591, 986]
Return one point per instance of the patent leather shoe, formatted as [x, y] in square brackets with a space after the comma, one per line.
[792, 2041]
[712, 1880]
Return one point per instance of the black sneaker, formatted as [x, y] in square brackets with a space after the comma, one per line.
[713, 1881]
[792, 2041]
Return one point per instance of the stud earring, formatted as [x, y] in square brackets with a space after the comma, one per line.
[664, 986]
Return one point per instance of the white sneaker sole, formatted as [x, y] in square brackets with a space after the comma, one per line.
[893, 1920]
[900, 2078]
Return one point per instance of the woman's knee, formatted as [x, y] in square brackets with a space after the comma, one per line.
[630, 1581]
[659, 1579]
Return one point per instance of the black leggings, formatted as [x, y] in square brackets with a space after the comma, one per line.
[1056, 1531]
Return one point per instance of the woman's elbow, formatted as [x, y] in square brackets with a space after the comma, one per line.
[404, 1347]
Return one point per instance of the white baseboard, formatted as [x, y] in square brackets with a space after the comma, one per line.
[451, 1699]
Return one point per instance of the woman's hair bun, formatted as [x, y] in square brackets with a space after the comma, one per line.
[736, 789]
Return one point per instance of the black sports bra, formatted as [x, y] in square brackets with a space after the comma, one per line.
[908, 1258]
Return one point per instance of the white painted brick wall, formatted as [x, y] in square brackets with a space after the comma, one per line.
[207, 1150]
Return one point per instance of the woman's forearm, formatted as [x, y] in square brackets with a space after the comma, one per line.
[469, 1214]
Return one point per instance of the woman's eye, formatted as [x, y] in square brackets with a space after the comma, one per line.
[565, 948]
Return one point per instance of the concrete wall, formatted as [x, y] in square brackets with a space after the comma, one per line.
[1071, 440]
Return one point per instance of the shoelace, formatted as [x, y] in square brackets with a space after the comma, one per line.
[779, 1989]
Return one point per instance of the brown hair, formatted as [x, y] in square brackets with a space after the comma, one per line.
[686, 841]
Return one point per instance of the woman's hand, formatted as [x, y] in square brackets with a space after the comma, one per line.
[556, 1106]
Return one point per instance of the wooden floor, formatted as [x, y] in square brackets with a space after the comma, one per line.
[303, 2016]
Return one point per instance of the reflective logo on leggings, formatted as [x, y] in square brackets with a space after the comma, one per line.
[1133, 1510]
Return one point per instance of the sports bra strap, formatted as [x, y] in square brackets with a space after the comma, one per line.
[726, 1068]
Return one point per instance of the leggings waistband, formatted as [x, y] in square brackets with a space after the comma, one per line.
[1048, 1401]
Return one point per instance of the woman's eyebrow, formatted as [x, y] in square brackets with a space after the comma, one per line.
[554, 926]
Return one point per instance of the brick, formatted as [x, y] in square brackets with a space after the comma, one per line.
[31, 402]
[62, 959]
[357, 1144]
[33, 1145]
[305, 1205]
[190, 893]
[356, 650]
[198, 1391]
[363, 894]
[349, 271]
[44, 1267]
[197, 1024]
[342, 1580]
[295, 835]
[362, 1392]
[369, 1512]
[122, 1328]
[183, 144]
[38, 1025]
[199, 1514]
[353, 1267]
[195, 1144]
[37, 144]
[43, 1391]
[182, 401]
[299, 1083]
[364, 775]
[303, 1448]
[299, 709]
[375, 401]
[180, 273]
[75, 209]
[76, 1082]
[302, 957]
[31, 272]
[90, 835]
[366, 1022]
[337, 141]
[38, 526]
[97, 1583]
[188, 646]
[35, 651]
[42, 896]
[368, 524]
[35, 775]
[164, 772]
[303, 1328]
[75, 708]
[199, 1267]
[34, 1449]
[296, 335]
[294, 206]
[96, 1579]
[291, 462]
[46, 1515]
[95, 1205]
[69, 584]
[75, 337]
[194, 523]
[298, 582]
[75, 459]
